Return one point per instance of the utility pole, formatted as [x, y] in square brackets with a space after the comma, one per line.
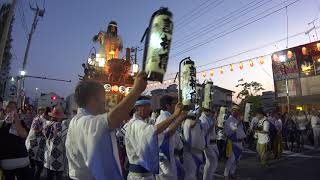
[5, 32]
[314, 27]
[38, 13]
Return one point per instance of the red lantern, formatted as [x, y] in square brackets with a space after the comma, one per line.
[251, 63]
[241, 66]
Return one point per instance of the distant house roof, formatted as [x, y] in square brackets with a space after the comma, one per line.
[223, 89]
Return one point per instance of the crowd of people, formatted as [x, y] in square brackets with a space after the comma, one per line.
[132, 142]
[32, 142]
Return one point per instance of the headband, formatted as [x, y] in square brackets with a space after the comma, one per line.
[142, 102]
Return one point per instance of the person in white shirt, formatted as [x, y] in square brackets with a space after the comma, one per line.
[302, 122]
[235, 136]
[91, 145]
[211, 151]
[194, 144]
[315, 124]
[263, 136]
[141, 139]
[169, 165]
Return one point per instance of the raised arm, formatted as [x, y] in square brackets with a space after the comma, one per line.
[177, 123]
[121, 111]
[22, 132]
[166, 123]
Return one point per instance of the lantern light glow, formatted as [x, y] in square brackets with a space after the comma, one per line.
[221, 70]
[211, 72]
[262, 60]
[251, 63]
[241, 65]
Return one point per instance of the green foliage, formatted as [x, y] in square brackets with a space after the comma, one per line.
[248, 89]
[248, 94]
[255, 104]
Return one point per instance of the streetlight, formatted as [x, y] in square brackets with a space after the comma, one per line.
[22, 73]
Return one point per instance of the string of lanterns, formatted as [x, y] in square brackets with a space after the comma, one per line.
[221, 69]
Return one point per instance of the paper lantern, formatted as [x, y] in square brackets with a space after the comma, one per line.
[304, 51]
[165, 82]
[231, 67]
[188, 83]
[170, 81]
[261, 59]
[289, 54]
[251, 63]
[211, 72]
[275, 57]
[221, 70]
[115, 88]
[318, 46]
[241, 65]
[204, 74]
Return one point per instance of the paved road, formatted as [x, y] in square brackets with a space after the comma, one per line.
[292, 166]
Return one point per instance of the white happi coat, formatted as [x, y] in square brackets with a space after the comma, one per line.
[211, 151]
[142, 148]
[91, 148]
[168, 167]
[193, 147]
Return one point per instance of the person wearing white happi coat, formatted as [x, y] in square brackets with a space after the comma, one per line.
[211, 151]
[141, 140]
[169, 165]
[91, 145]
[193, 146]
[235, 135]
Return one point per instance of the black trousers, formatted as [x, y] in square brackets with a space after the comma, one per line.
[37, 168]
[18, 174]
[54, 175]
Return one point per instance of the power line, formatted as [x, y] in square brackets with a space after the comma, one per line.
[192, 11]
[22, 19]
[229, 32]
[250, 50]
[200, 14]
[234, 26]
[221, 21]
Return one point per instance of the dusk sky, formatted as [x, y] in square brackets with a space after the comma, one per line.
[63, 37]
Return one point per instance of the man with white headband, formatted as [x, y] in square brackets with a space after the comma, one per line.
[141, 140]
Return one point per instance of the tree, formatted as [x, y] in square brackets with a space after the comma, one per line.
[5, 68]
[249, 94]
[248, 89]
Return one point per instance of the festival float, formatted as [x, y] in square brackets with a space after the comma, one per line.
[107, 67]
